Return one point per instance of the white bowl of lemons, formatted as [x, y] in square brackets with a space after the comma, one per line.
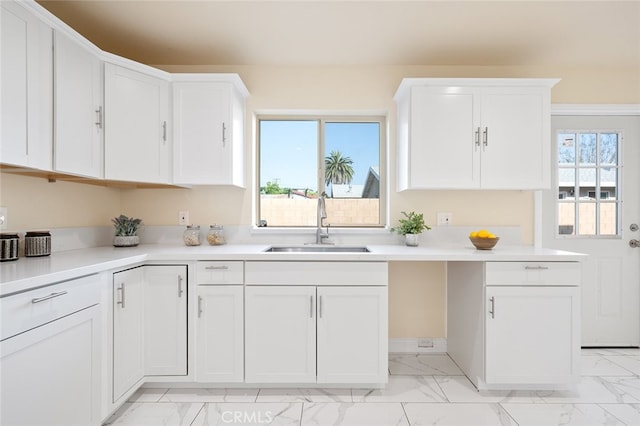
[483, 239]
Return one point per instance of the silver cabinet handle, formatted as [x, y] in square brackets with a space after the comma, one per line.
[536, 268]
[199, 306]
[485, 137]
[219, 268]
[121, 290]
[310, 306]
[51, 296]
[224, 134]
[164, 131]
[180, 291]
[492, 310]
[477, 133]
[320, 307]
[99, 117]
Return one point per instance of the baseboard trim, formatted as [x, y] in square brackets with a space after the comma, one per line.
[410, 345]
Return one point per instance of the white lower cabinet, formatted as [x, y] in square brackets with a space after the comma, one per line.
[128, 330]
[219, 334]
[165, 320]
[280, 334]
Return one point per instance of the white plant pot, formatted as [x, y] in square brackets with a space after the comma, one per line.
[412, 239]
[126, 241]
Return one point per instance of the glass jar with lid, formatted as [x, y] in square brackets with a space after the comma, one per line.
[215, 237]
[191, 235]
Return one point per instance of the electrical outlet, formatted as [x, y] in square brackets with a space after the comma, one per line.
[425, 343]
[3, 218]
[445, 219]
[183, 217]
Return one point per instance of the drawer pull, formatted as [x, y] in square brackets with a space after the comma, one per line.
[180, 291]
[310, 306]
[492, 310]
[51, 296]
[199, 306]
[121, 301]
[536, 268]
[320, 307]
[219, 268]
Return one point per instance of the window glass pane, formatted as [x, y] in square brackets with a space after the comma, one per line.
[587, 147]
[566, 148]
[566, 218]
[587, 218]
[608, 218]
[288, 172]
[566, 184]
[352, 177]
[587, 183]
[608, 183]
[609, 148]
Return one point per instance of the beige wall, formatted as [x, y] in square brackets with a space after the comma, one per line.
[416, 290]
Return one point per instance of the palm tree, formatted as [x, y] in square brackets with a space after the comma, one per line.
[338, 169]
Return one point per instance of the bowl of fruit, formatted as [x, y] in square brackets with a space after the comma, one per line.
[483, 239]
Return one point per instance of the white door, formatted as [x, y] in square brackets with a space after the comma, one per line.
[280, 334]
[165, 320]
[219, 334]
[595, 217]
[352, 334]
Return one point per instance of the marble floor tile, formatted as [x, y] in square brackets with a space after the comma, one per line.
[611, 351]
[631, 363]
[599, 365]
[249, 414]
[629, 414]
[304, 395]
[403, 389]
[459, 389]
[210, 395]
[561, 414]
[154, 414]
[147, 395]
[597, 390]
[353, 414]
[423, 365]
[458, 414]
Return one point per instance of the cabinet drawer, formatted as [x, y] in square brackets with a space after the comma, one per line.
[533, 273]
[24, 311]
[220, 272]
[316, 273]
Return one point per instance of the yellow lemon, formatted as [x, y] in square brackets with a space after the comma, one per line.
[473, 234]
[483, 233]
[491, 235]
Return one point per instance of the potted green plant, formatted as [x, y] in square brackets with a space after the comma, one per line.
[411, 226]
[126, 231]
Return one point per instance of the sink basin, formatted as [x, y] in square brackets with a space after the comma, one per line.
[317, 249]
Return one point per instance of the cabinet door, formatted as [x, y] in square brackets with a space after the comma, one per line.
[532, 335]
[219, 334]
[204, 151]
[280, 334]
[128, 330]
[165, 320]
[78, 109]
[136, 146]
[352, 335]
[51, 374]
[515, 138]
[444, 149]
[27, 88]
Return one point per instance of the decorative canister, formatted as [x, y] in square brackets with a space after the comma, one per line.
[216, 235]
[8, 247]
[191, 235]
[37, 243]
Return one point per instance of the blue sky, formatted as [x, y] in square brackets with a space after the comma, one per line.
[288, 151]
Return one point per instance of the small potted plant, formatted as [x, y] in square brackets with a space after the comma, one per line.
[126, 231]
[411, 226]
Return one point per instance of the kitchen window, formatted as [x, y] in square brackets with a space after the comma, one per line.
[300, 158]
[589, 194]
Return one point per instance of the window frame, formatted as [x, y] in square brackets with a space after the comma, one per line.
[597, 188]
[323, 119]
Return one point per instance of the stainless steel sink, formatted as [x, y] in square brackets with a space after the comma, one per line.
[317, 249]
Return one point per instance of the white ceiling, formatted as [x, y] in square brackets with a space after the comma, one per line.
[332, 32]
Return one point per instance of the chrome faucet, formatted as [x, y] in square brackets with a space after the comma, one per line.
[322, 215]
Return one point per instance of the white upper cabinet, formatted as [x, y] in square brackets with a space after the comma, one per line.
[208, 122]
[474, 133]
[27, 92]
[136, 118]
[78, 108]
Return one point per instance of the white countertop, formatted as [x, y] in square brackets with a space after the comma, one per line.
[26, 273]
